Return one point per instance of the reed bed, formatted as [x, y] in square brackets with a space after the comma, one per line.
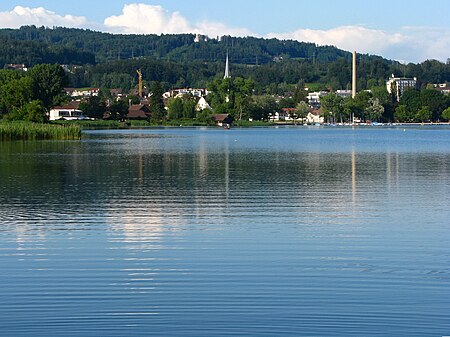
[36, 131]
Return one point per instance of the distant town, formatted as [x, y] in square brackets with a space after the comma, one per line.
[188, 79]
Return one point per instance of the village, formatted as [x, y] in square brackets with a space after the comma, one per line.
[310, 111]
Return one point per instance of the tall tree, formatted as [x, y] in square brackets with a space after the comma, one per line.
[157, 110]
[93, 107]
[48, 82]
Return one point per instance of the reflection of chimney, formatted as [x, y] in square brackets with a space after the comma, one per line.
[354, 75]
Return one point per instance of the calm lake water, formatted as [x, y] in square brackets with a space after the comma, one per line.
[210, 232]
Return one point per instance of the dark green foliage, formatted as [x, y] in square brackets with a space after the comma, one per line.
[93, 107]
[47, 84]
[157, 110]
[119, 110]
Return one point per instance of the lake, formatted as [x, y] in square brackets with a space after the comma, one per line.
[289, 231]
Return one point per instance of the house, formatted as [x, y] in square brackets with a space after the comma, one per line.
[284, 115]
[138, 111]
[83, 92]
[16, 66]
[195, 92]
[314, 98]
[344, 93]
[222, 119]
[68, 111]
[443, 88]
[202, 104]
[314, 116]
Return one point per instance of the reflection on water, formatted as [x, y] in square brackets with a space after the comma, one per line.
[289, 231]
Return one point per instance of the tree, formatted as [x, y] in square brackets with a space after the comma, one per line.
[375, 110]
[232, 96]
[93, 107]
[189, 107]
[34, 112]
[434, 100]
[362, 103]
[411, 100]
[401, 114]
[300, 94]
[263, 107]
[47, 83]
[332, 105]
[423, 114]
[446, 114]
[119, 110]
[302, 110]
[175, 106]
[15, 94]
[157, 109]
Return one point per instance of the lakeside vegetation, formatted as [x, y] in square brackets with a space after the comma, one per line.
[20, 130]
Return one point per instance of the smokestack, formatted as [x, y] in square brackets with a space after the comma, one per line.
[354, 75]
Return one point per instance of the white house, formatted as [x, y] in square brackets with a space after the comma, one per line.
[202, 104]
[186, 91]
[76, 92]
[66, 112]
[344, 93]
[314, 98]
[314, 116]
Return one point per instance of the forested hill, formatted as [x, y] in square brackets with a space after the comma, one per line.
[174, 47]
[111, 60]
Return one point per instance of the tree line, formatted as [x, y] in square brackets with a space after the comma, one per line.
[176, 60]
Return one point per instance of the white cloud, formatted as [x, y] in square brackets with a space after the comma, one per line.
[411, 44]
[140, 18]
[351, 38]
[21, 16]
[147, 19]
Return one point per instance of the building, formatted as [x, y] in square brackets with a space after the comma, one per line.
[138, 111]
[314, 98]
[398, 85]
[315, 116]
[83, 92]
[68, 111]
[195, 92]
[222, 119]
[227, 68]
[443, 88]
[344, 93]
[202, 104]
[13, 66]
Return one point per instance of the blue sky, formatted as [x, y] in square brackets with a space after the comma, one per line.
[408, 31]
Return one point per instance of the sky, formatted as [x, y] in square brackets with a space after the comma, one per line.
[403, 30]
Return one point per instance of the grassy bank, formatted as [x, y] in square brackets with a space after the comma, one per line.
[36, 131]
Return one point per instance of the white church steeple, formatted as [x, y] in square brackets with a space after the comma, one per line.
[227, 68]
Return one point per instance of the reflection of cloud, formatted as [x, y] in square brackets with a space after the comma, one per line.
[39, 16]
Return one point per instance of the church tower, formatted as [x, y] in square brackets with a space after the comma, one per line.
[227, 68]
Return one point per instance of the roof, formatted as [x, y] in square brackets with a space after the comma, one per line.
[315, 112]
[220, 117]
[288, 109]
[69, 106]
[137, 111]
